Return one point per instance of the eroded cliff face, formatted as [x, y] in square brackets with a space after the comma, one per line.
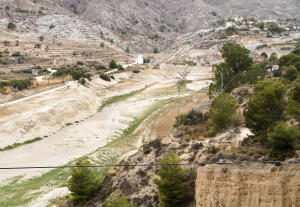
[254, 185]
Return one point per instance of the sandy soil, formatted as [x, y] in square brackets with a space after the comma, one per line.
[94, 129]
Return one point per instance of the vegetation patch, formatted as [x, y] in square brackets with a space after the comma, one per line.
[16, 145]
[119, 98]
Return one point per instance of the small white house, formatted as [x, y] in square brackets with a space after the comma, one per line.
[140, 59]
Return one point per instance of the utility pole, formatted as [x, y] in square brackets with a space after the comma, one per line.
[180, 81]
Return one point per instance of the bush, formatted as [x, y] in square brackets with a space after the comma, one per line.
[38, 46]
[20, 84]
[155, 50]
[16, 54]
[113, 64]
[75, 71]
[283, 140]
[180, 119]
[222, 114]
[82, 81]
[11, 26]
[100, 67]
[146, 60]
[266, 107]
[192, 118]
[83, 182]
[104, 76]
[115, 199]
[41, 38]
[173, 184]
[136, 71]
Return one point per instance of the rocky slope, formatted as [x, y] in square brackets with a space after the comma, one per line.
[150, 23]
[141, 25]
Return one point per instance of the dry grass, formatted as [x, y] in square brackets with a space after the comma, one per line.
[51, 81]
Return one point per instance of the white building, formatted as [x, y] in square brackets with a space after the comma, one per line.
[140, 59]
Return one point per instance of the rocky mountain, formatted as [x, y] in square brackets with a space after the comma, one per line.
[138, 24]
[157, 21]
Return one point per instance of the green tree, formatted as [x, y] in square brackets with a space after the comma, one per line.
[222, 114]
[237, 57]
[113, 64]
[225, 79]
[293, 107]
[289, 59]
[290, 72]
[83, 182]
[115, 199]
[296, 51]
[283, 141]
[274, 28]
[266, 107]
[273, 59]
[254, 74]
[173, 185]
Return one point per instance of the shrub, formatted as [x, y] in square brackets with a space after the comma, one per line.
[83, 182]
[100, 67]
[38, 46]
[82, 81]
[80, 63]
[222, 114]
[266, 107]
[11, 26]
[127, 50]
[115, 199]
[16, 54]
[173, 184]
[41, 38]
[283, 140]
[180, 119]
[113, 64]
[146, 60]
[231, 30]
[155, 50]
[75, 71]
[104, 76]
[120, 67]
[136, 71]
[6, 43]
[102, 44]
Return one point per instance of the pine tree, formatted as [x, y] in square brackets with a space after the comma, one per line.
[83, 182]
[173, 185]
